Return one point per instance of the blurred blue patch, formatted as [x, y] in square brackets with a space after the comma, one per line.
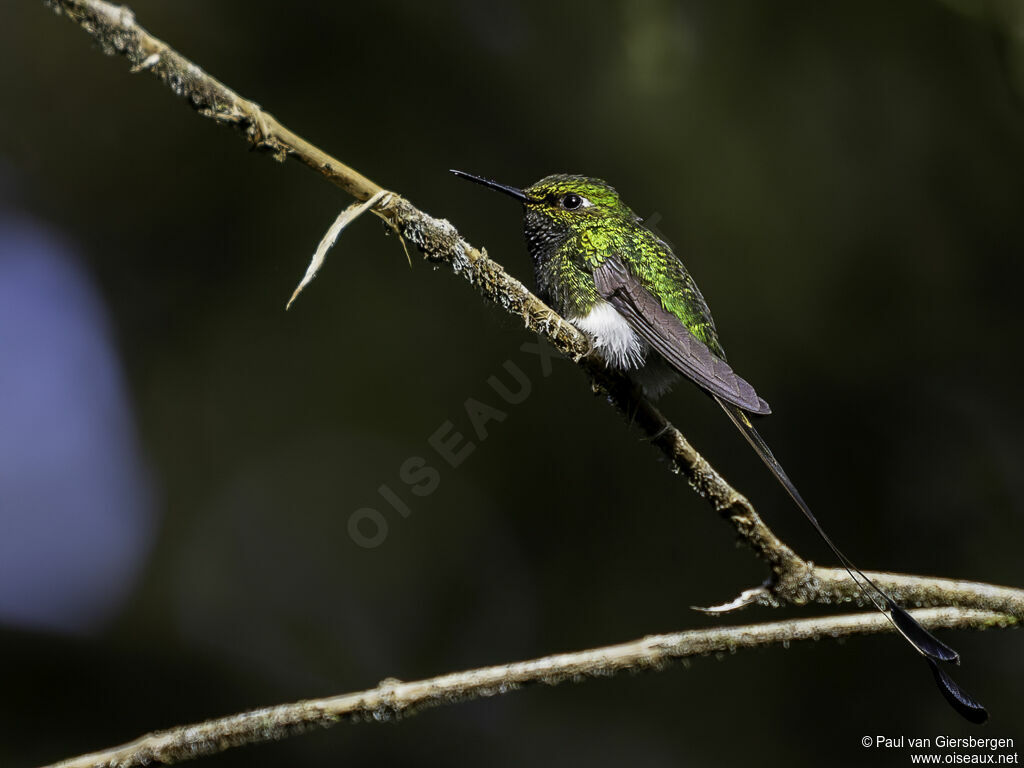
[76, 515]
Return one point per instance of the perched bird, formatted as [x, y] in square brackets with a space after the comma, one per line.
[599, 267]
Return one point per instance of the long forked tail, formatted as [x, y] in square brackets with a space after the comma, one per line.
[930, 647]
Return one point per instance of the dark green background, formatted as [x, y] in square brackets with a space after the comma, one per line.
[845, 181]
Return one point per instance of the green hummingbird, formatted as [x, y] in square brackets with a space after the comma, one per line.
[601, 268]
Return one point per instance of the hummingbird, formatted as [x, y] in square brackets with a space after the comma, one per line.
[623, 287]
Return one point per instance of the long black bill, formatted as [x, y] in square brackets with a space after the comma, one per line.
[518, 194]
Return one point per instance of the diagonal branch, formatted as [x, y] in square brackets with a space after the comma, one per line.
[792, 579]
[114, 28]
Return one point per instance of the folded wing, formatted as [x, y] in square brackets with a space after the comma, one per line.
[668, 336]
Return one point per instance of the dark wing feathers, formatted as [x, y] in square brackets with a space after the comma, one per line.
[668, 336]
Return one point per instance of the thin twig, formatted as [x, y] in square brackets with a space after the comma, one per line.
[969, 605]
[327, 242]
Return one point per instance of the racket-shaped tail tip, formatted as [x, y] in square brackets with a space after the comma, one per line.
[920, 637]
[966, 705]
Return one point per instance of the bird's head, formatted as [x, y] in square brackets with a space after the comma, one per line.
[561, 205]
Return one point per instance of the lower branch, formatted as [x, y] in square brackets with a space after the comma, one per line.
[393, 699]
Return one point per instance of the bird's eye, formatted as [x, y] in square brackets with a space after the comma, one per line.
[572, 201]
